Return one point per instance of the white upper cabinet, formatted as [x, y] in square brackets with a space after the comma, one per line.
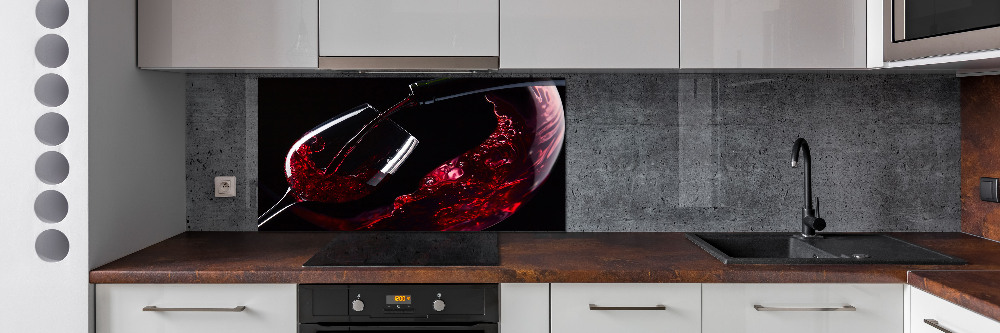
[409, 28]
[509, 34]
[778, 33]
[227, 34]
[589, 34]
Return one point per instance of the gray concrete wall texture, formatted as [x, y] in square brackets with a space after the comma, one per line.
[680, 152]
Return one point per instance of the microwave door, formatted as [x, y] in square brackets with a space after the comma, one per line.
[914, 29]
[916, 19]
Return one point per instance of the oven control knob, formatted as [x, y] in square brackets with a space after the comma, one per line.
[438, 305]
[358, 305]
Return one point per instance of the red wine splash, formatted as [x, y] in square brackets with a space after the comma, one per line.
[310, 182]
[352, 144]
[472, 191]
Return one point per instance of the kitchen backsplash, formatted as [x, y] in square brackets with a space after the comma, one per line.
[680, 152]
[980, 153]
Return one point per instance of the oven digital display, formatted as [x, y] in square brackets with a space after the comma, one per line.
[397, 299]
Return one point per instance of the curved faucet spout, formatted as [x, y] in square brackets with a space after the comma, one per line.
[810, 222]
[803, 146]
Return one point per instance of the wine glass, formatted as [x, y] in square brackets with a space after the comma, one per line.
[343, 159]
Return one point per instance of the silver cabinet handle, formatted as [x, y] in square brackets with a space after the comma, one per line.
[935, 324]
[616, 308]
[233, 309]
[759, 307]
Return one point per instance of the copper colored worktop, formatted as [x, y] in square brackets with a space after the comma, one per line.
[277, 257]
[978, 291]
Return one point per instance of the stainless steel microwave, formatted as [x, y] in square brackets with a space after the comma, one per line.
[928, 28]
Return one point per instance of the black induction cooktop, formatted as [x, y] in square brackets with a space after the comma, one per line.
[405, 248]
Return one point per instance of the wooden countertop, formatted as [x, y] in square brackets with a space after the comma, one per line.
[276, 257]
[978, 291]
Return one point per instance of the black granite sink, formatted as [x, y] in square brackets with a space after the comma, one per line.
[787, 249]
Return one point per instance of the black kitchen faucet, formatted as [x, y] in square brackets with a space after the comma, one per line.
[810, 222]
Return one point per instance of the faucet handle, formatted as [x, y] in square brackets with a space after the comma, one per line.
[818, 223]
[817, 206]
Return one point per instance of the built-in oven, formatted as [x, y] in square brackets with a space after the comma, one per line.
[453, 308]
[928, 28]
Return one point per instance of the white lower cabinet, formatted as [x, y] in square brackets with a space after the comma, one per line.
[570, 307]
[524, 308]
[626, 307]
[930, 314]
[802, 308]
[196, 308]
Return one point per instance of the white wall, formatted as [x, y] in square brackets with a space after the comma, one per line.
[137, 125]
[36, 295]
[125, 150]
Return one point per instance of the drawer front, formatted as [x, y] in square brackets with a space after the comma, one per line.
[409, 28]
[729, 308]
[663, 307]
[948, 316]
[269, 308]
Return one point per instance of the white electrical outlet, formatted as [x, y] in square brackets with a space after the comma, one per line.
[225, 186]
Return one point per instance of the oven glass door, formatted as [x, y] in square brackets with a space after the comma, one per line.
[474, 328]
[930, 18]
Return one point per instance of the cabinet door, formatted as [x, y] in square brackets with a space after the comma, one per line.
[227, 34]
[268, 308]
[589, 34]
[773, 34]
[409, 28]
[926, 307]
[626, 307]
[802, 308]
[524, 308]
